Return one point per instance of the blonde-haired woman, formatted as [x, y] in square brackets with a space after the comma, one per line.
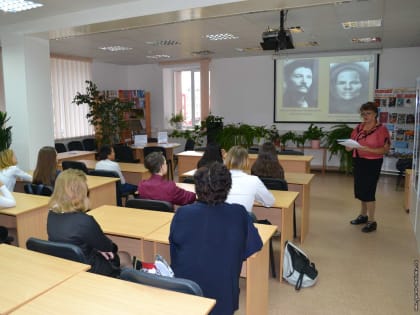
[9, 171]
[68, 223]
[245, 188]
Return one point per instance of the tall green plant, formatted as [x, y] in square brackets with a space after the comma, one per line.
[340, 131]
[5, 132]
[106, 115]
[240, 134]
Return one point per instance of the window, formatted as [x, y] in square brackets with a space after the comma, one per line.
[185, 90]
[187, 96]
[68, 77]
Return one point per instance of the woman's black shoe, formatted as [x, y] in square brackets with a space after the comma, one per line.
[359, 220]
[370, 227]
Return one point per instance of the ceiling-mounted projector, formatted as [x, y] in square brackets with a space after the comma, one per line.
[279, 39]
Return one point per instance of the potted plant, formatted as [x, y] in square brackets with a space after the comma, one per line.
[272, 134]
[106, 115]
[212, 125]
[315, 134]
[5, 132]
[341, 131]
[197, 134]
[288, 136]
[177, 120]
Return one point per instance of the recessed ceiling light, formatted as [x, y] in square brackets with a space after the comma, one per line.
[362, 24]
[296, 29]
[18, 5]
[158, 56]
[366, 40]
[202, 53]
[166, 42]
[115, 48]
[225, 36]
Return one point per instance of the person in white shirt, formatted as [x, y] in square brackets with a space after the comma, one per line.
[106, 162]
[245, 188]
[6, 198]
[9, 171]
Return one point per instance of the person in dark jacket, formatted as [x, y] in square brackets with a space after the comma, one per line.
[210, 239]
[213, 153]
[68, 223]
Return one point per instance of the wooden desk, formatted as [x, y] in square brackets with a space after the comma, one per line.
[133, 172]
[407, 189]
[28, 217]
[300, 182]
[169, 149]
[88, 293]
[127, 226]
[26, 274]
[256, 265]
[75, 155]
[187, 161]
[102, 191]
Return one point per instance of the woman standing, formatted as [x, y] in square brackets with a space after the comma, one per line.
[367, 162]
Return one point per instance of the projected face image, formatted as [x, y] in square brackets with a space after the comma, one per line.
[348, 84]
[301, 79]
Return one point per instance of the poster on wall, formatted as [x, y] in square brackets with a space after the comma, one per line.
[323, 89]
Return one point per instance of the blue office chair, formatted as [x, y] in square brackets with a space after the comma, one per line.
[57, 249]
[174, 284]
[38, 189]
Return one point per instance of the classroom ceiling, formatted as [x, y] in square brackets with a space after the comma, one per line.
[181, 35]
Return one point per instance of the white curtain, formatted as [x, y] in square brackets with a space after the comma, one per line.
[68, 77]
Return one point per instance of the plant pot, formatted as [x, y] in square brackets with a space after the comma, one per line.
[316, 144]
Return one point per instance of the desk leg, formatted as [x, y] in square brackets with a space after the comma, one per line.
[32, 223]
[257, 282]
[286, 234]
[304, 220]
[133, 246]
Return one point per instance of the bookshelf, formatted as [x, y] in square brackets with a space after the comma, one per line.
[138, 117]
[396, 111]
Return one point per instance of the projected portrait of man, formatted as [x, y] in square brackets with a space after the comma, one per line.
[299, 84]
[349, 84]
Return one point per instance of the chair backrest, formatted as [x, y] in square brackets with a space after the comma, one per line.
[89, 144]
[75, 165]
[148, 150]
[189, 180]
[75, 146]
[290, 152]
[124, 153]
[157, 281]
[104, 173]
[60, 147]
[38, 189]
[275, 183]
[57, 249]
[189, 145]
[149, 204]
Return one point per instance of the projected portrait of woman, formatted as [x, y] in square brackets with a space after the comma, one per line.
[349, 84]
[300, 85]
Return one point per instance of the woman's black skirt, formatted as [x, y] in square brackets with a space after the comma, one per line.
[366, 175]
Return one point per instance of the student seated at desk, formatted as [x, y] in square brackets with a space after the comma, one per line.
[9, 171]
[267, 163]
[6, 201]
[106, 162]
[158, 188]
[210, 239]
[46, 171]
[245, 188]
[68, 223]
[213, 153]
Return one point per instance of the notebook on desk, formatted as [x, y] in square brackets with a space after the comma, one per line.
[140, 140]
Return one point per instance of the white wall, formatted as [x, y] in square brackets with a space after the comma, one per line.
[109, 77]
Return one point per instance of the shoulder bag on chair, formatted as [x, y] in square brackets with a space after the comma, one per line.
[297, 268]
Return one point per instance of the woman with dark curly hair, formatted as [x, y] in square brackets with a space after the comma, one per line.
[210, 239]
[267, 163]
